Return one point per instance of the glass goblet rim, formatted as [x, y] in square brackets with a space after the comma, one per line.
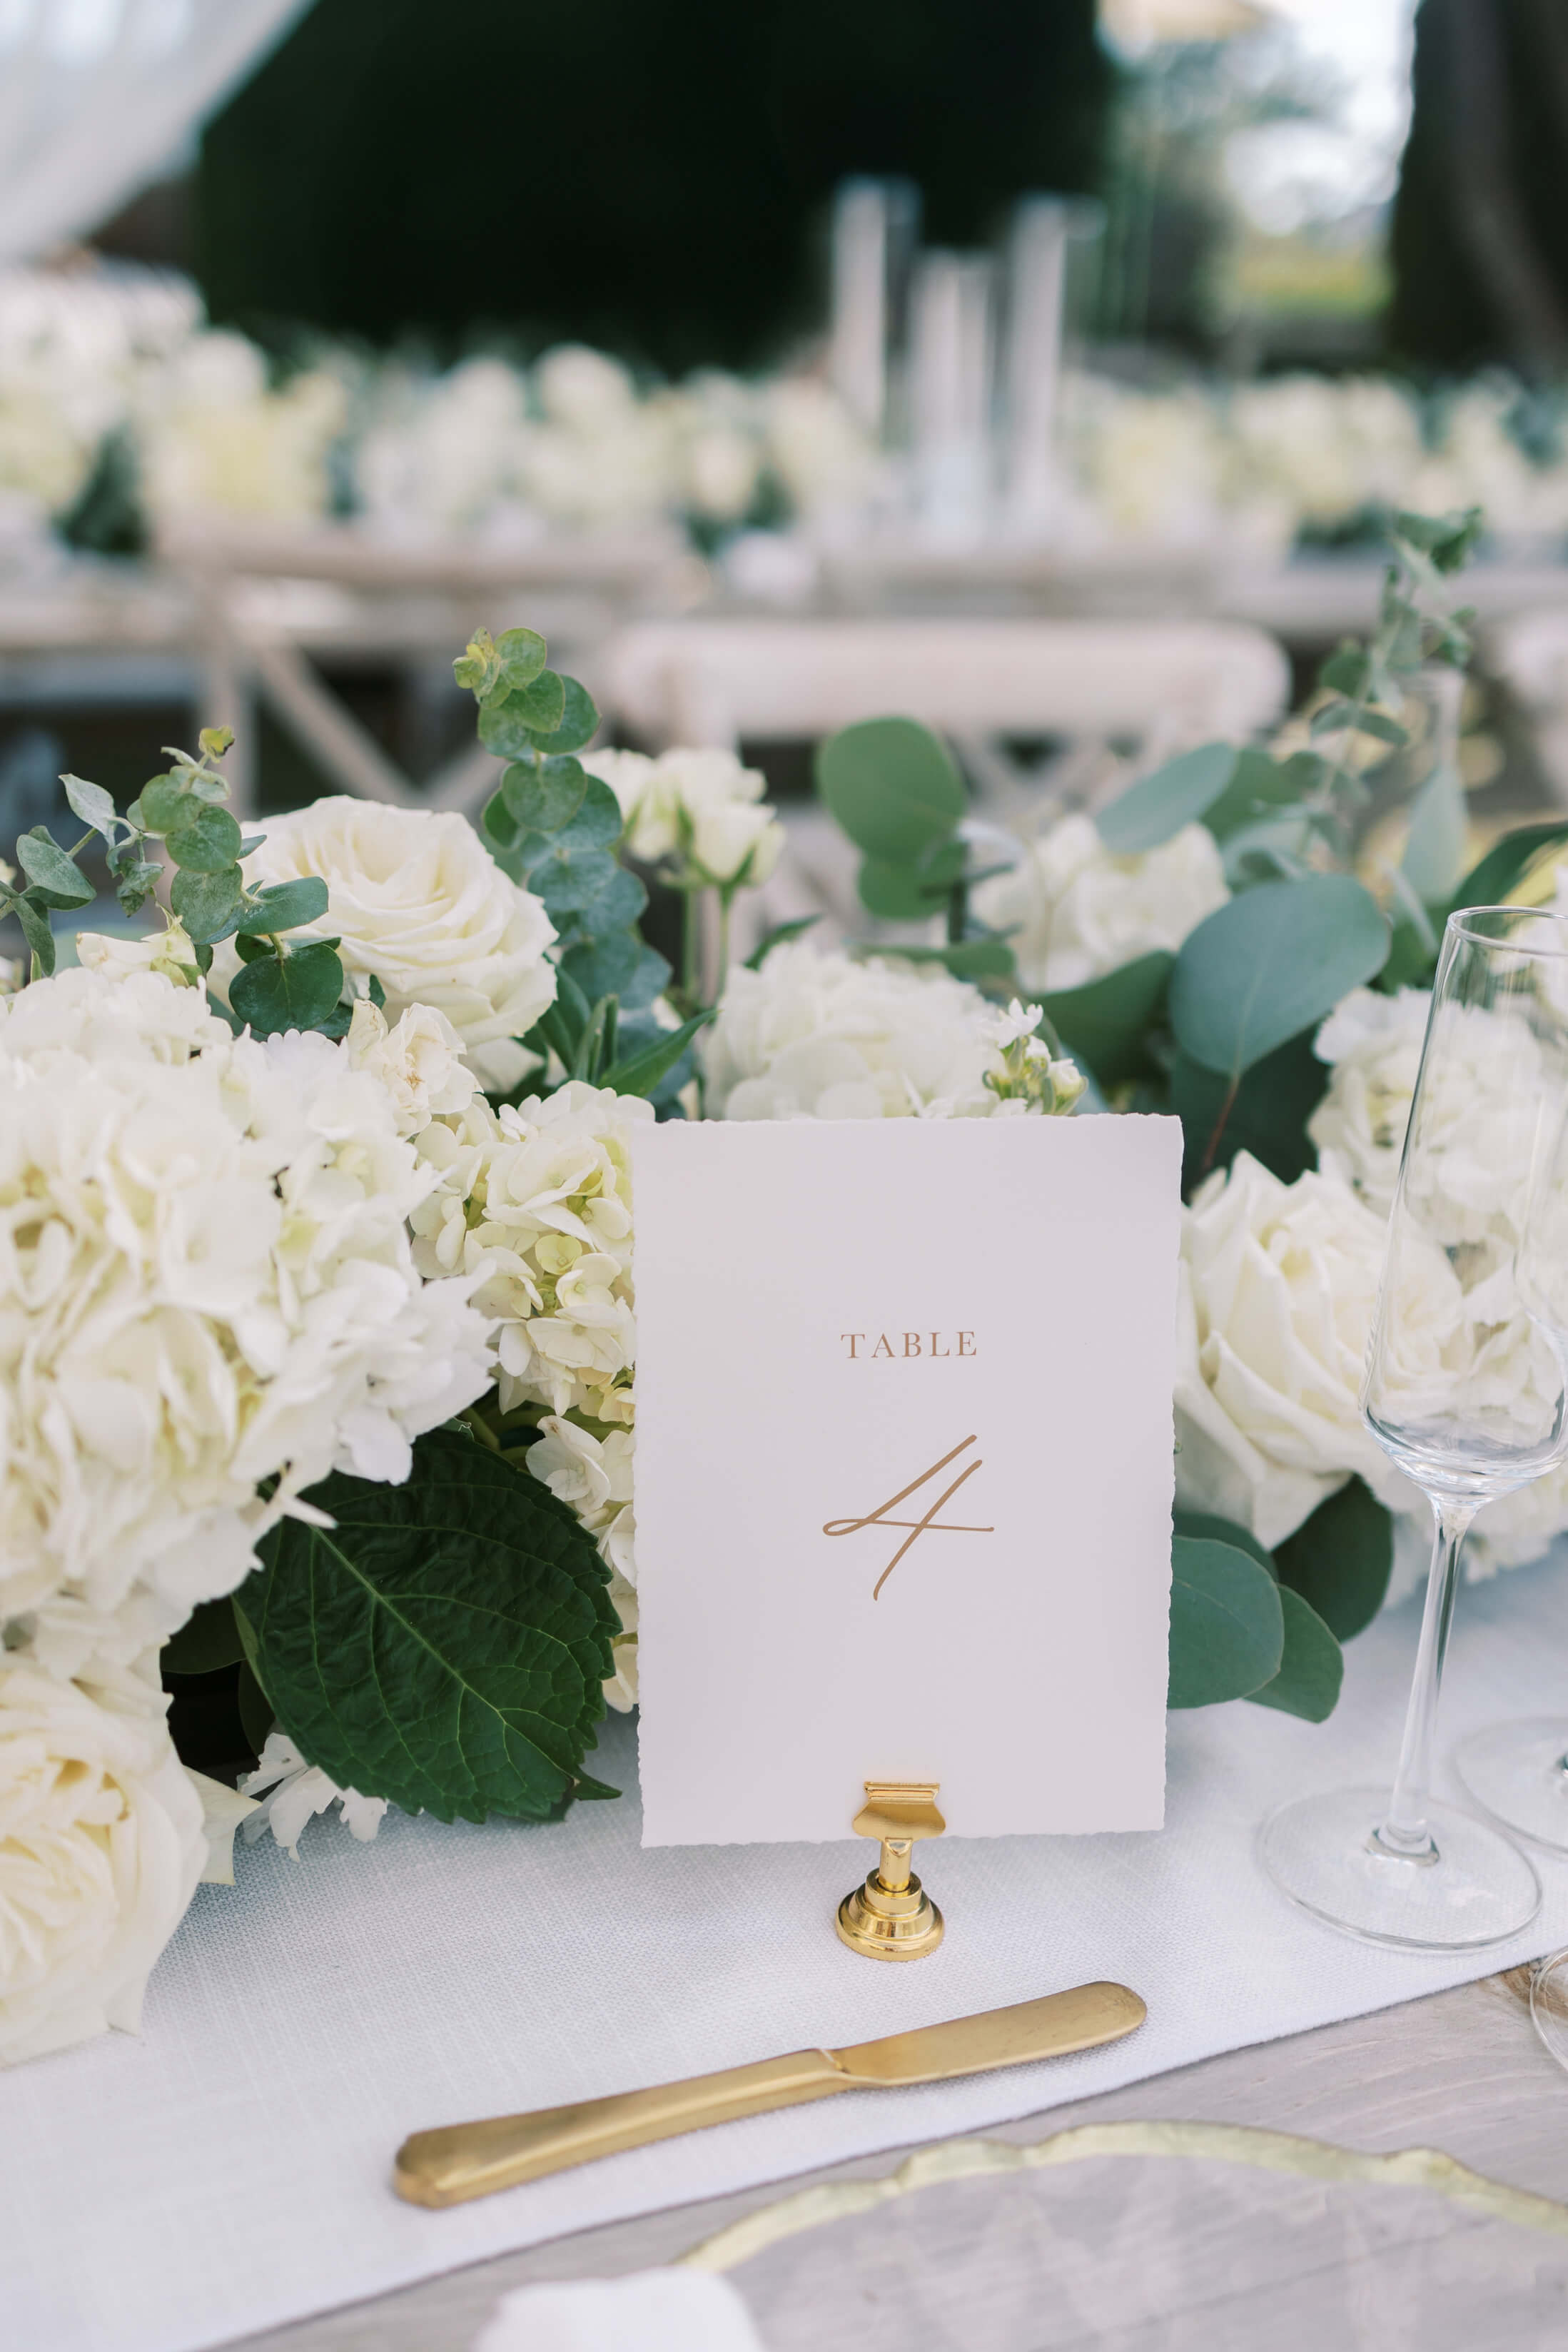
[1469, 923]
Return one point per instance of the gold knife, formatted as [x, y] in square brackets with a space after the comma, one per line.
[463, 2160]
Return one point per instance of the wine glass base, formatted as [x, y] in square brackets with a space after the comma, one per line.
[1322, 1853]
[1518, 1772]
[1549, 2004]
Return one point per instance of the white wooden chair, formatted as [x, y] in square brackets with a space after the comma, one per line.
[1528, 654]
[1108, 691]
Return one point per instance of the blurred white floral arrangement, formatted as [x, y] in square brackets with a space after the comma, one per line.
[111, 381]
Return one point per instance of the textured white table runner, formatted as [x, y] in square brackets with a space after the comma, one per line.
[228, 2170]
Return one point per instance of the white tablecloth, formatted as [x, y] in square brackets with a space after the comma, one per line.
[229, 2170]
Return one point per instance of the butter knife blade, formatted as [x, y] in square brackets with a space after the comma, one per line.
[458, 2161]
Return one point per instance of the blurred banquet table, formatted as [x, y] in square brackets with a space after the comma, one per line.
[1179, 2217]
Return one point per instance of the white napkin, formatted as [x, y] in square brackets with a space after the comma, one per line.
[652, 2311]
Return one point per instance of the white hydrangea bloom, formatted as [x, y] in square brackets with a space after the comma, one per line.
[1081, 912]
[1373, 1047]
[533, 1205]
[118, 954]
[206, 1280]
[213, 438]
[594, 1475]
[291, 1792]
[814, 1035]
[416, 900]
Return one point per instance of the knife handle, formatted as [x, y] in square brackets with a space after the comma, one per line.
[463, 2160]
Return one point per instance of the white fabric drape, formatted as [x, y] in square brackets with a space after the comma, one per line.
[96, 96]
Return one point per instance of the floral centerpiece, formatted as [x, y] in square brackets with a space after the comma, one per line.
[318, 1334]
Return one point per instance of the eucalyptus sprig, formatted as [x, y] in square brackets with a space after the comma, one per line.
[182, 809]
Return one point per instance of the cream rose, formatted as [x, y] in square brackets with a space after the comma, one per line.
[1278, 1288]
[102, 1846]
[417, 900]
[419, 1064]
[1077, 911]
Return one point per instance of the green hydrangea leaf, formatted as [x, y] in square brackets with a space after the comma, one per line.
[467, 1620]
[207, 1640]
[299, 990]
[1228, 1629]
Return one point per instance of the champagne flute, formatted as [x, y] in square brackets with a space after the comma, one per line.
[1518, 1772]
[1467, 1398]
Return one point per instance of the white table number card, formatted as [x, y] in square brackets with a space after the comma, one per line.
[903, 1471]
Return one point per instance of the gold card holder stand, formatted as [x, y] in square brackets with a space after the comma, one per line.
[892, 1917]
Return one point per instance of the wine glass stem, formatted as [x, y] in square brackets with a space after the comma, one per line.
[1404, 1829]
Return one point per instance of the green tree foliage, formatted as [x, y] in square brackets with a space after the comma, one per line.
[675, 156]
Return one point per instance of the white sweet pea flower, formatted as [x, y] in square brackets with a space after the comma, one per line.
[416, 900]
[102, 1846]
[1076, 910]
[290, 1793]
[168, 952]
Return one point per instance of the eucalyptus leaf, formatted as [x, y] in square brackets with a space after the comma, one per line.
[1209, 1527]
[209, 905]
[1311, 1666]
[1434, 856]
[1228, 1629]
[206, 840]
[55, 879]
[287, 906]
[92, 804]
[579, 716]
[1159, 806]
[898, 893]
[32, 914]
[1106, 1022]
[1270, 963]
[162, 804]
[1266, 1115]
[1259, 785]
[607, 966]
[892, 786]
[299, 990]
[541, 797]
[520, 655]
[467, 1618]
[508, 727]
[1341, 1559]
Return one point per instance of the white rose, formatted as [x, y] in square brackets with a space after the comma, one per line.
[101, 1849]
[647, 800]
[1278, 1286]
[418, 900]
[732, 841]
[420, 1062]
[1078, 911]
